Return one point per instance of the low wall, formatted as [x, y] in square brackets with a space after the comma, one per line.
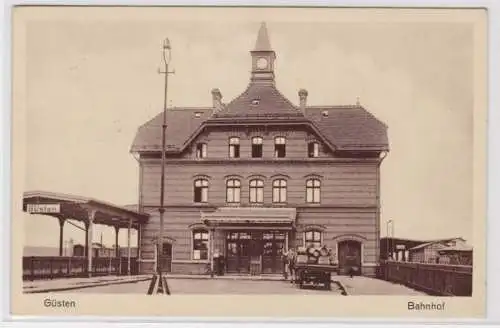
[433, 279]
[50, 267]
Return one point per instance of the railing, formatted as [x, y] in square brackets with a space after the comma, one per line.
[433, 279]
[50, 267]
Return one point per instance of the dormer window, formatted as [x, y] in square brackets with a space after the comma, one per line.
[257, 147]
[255, 102]
[313, 149]
[324, 113]
[197, 114]
[234, 147]
[279, 147]
[201, 150]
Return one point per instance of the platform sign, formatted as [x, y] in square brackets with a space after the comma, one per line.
[43, 208]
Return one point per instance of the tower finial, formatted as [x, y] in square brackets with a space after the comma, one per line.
[263, 43]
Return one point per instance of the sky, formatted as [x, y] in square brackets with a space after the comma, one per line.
[92, 82]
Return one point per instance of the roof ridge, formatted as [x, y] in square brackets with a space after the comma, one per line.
[333, 106]
[188, 108]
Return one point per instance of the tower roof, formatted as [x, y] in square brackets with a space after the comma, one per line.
[262, 43]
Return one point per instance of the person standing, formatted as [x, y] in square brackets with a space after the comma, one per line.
[291, 264]
[284, 259]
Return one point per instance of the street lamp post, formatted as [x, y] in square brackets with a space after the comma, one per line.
[160, 279]
[390, 223]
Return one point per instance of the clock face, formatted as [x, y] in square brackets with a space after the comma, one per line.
[261, 63]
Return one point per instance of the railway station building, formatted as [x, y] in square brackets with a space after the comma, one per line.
[258, 174]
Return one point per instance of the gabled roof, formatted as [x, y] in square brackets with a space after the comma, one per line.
[346, 127]
[349, 127]
[260, 100]
[443, 242]
[181, 123]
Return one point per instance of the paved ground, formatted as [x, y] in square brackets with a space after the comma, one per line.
[372, 286]
[182, 284]
[40, 286]
[208, 286]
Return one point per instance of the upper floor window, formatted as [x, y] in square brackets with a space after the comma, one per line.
[256, 191]
[234, 147]
[200, 191]
[313, 149]
[279, 191]
[312, 238]
[313, 191]
[233, 190]
[200, 244]
[201, 150]
[257, 147]
[279, 147]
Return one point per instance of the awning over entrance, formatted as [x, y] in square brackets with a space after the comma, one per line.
[249, 217]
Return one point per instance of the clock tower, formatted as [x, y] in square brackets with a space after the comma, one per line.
[263, 58]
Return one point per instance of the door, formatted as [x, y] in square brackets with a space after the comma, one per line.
[166, 258]
[273, 245]
[238, 251]
[349, 257]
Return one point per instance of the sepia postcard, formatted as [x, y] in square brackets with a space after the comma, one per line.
[249, 162]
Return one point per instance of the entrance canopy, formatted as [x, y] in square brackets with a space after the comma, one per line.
[251, 218]
[61, 205]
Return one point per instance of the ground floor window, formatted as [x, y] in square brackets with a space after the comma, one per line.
[200, 245]
[312, 238]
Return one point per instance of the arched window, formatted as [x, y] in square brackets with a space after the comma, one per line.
[279, 191]
[256, 191]
[200, 244]
[313, 149]
[313, 191]
[234, 147]
[279, 147]
[312, 238]
[200, 191]
[257, 147]
[233, 188]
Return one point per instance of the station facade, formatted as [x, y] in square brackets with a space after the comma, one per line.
[249, 178]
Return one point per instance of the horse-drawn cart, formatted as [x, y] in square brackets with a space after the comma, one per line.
[314, 266]
[315, 274]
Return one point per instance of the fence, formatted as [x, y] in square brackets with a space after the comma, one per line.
[50, 267]
[433, 279]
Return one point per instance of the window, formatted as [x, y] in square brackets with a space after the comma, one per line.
[279, 147]
[234, 147]
[233, 188]
[279, 191]
[313, 187]
[201, 150]
[312, 238]
[256, 191]
[200, 245]
[313, 149]
[257, 147]
[200, 191]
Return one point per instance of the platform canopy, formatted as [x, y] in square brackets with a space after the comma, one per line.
[250, 218]
[78, 208]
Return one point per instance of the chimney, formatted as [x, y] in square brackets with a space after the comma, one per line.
[216, 100]
[303, 99]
